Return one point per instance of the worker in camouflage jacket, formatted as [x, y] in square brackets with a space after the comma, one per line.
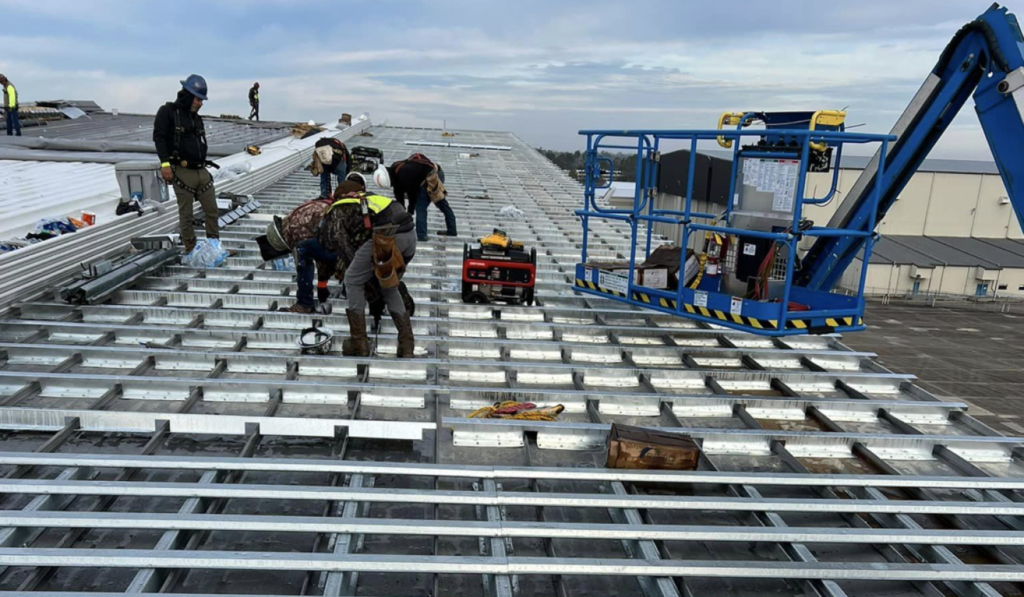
[327, 244]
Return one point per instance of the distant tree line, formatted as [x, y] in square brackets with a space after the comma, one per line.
[573, 162]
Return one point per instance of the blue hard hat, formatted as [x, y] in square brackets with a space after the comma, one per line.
[195, 85]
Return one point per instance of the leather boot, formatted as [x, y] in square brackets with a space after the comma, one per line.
[356, 345]
[297, 308]
[406, 342]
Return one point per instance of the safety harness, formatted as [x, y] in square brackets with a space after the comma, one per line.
[416, 158]
[200, 130]
[388, 261]
[432, 182]
[368, 204]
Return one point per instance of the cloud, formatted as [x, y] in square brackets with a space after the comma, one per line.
[540, 69]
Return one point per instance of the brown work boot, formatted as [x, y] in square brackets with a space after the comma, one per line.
[356, 345]
[189, 247]
[406, 342]
[297, 308]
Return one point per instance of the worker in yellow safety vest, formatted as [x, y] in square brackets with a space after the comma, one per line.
[254, 102]
[392, 247]
[10, 106]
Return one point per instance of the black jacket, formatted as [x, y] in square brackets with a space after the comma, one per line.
[406, 179]
[191, 139]
[254, 96]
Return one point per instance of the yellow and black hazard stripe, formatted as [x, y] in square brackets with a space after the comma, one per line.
[597, 288]
[752, 322]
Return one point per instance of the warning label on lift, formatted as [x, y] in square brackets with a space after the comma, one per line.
[736, 306]
[778, 177]
[614, 282]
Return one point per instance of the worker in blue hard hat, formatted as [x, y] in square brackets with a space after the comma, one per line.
[180, 139]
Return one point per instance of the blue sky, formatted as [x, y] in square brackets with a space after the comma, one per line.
[540, 69]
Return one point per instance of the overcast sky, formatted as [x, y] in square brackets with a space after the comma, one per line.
[542, 70]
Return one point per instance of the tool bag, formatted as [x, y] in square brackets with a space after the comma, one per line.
[327, 153]
[388, 263]
[435, 188]
[640, 448]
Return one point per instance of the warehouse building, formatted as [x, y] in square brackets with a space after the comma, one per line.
[952, 230]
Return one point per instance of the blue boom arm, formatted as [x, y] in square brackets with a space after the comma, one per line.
[986, 58]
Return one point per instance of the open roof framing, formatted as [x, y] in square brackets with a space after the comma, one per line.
[172, 439]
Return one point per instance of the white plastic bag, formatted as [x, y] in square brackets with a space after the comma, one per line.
[207, 254]
[511, 211]
[283, 264]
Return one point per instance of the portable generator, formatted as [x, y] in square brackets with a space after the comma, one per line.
[498, 270]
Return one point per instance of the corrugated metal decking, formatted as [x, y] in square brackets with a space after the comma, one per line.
[173, 440]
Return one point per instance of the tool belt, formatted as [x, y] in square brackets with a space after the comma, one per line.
[195, 192]
[388, 263]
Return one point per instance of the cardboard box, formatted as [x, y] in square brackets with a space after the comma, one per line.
[651, 277]
[657, 272]
[639, 448]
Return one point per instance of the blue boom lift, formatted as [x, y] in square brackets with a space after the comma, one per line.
[751, 275]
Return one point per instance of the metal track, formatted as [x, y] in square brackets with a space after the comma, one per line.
[171, 439]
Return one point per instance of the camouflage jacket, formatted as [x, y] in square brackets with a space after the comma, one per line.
[343, 231]
[304, 221]
[303, 224]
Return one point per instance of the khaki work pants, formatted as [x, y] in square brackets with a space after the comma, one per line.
[195, 179]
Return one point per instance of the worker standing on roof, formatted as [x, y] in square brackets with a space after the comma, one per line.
[386, 256]
[418, 182]
[180, 139]
[254, 102]
[10, 96]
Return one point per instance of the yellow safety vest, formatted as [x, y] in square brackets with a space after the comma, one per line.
[12, 96]
[375, 203]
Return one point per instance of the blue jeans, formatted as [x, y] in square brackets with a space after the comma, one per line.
[306, 254]
[13, 124]
[422, 202]
[340, 171]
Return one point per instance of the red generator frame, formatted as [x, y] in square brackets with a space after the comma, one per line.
[508, 277]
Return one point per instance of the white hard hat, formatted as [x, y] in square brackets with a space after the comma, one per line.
[311, 123]
[381, 178]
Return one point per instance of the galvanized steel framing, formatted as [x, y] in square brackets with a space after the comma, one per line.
[788, 428]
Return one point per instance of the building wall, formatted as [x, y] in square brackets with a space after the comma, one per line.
[933, 204]
[993, 218]
[1013, 278]
[894, 279]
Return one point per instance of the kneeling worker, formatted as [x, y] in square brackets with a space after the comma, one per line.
[393, 246]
